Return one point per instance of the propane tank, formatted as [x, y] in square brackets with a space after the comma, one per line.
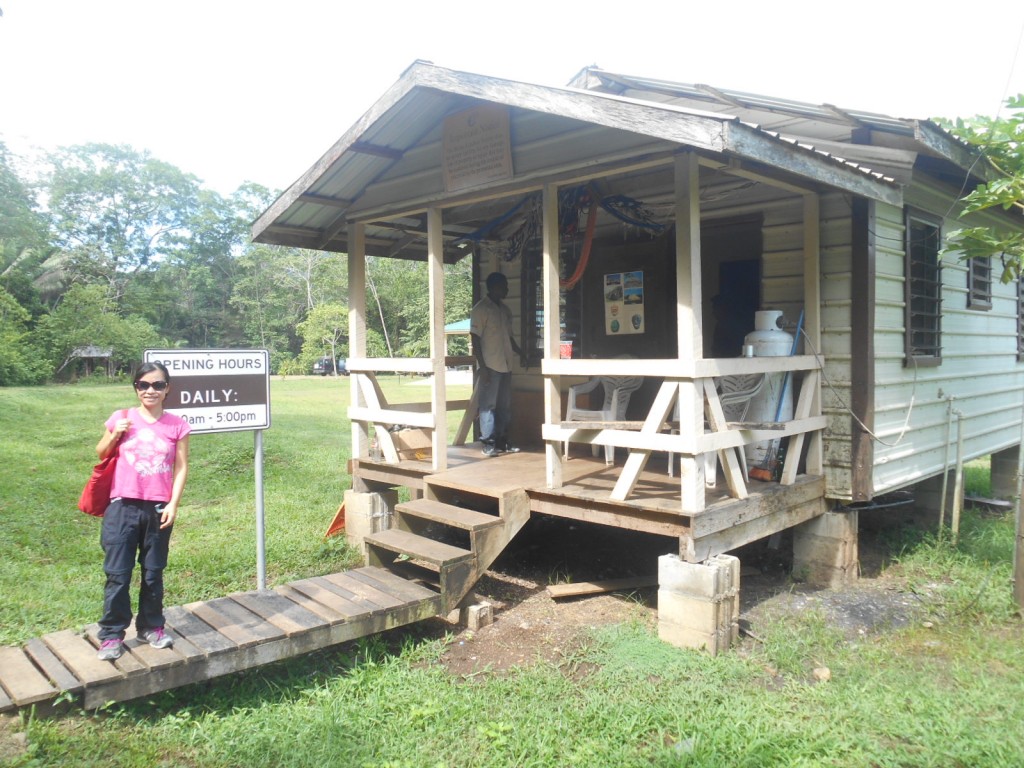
[768, 340]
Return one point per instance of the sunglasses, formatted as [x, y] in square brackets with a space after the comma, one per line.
[142, 386]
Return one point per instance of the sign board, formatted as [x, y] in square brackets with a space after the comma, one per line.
[624, 303]
[476, 147]
[217, 390]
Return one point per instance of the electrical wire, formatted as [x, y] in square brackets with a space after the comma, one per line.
[848, 409]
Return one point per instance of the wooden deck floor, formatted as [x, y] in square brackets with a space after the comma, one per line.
[215, 638]
[654, 506]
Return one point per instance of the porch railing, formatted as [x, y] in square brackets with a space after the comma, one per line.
[701, 428]
[372, 407]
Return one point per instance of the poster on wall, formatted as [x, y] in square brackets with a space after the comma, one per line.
[623, 303]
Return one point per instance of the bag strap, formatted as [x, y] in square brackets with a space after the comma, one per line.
[124, 415]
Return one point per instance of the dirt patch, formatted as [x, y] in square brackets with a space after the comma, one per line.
[530, 626]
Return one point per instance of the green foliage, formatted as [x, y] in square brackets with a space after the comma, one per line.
[20, 362]
[324, 332]
[85, 317]
[1000, 140]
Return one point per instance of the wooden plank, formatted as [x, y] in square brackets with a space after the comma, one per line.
[729, 514]
[326, 594]
[128, 664]
[5, 701]
[637, 460]
[52, 667]
[23, 682]
[197, 632]
[634, 425]
[600, 587]
[290, 618]
[402, 590]
[79, 656]
[447, 514]
[418, 547]
[319, 609]
[232, 620]
[364, 591]
[395, 584]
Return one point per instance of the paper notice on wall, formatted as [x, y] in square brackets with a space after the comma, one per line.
[623, 303]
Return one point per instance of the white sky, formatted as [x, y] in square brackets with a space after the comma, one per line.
[236, 90]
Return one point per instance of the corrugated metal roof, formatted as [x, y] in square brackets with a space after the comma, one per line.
[390, 157]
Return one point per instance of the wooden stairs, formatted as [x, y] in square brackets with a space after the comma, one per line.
[423, 567]
[448, 538]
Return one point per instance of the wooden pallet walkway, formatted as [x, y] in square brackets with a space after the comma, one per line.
[214, 638]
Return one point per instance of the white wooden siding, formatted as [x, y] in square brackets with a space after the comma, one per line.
[979, 363]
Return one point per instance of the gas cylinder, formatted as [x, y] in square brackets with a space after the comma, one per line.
[769, 340]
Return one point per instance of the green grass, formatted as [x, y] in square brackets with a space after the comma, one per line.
[951, 694]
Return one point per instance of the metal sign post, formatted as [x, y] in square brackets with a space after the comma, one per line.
[223, 390]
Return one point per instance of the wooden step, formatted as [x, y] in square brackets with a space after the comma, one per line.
[418, 547]
[21, 680]
[448, 514]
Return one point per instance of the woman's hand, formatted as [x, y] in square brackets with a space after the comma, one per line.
[168, 515]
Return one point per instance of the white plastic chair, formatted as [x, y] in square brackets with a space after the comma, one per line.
[617, 391]
[735, 394]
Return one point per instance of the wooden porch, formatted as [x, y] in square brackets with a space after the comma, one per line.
[587, 489]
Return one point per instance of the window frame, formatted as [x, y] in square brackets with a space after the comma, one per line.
[979, 283]
[923, 307]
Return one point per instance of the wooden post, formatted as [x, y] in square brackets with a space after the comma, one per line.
[552, 331]
[357, 332]
[688, 321]
[812, 323]
[1018, 542]
[435, 285]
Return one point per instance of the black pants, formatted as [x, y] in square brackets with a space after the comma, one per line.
[131, 528]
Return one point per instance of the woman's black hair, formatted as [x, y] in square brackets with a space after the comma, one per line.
[149, 368]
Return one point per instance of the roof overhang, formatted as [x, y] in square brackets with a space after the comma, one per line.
[314, 212]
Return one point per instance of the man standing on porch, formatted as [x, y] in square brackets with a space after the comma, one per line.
[490, 325]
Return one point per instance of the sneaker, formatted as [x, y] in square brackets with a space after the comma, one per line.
[490, 449]
[509, 448]
[157, 638]
[111, 650]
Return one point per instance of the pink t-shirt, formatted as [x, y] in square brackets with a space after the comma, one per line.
[145, 463]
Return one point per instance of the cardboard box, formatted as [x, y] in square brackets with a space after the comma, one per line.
[412, 444]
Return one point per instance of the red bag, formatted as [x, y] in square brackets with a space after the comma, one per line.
[95, 496]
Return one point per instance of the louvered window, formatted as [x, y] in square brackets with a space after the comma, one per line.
[979, 283]
[1020, 319]
[923, 290]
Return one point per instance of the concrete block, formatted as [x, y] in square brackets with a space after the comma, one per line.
[697, 613]
[685, 637]
[1004, 472]
[825, 549]
[478, 616]
[698, 603]
[708, 579]
[367, 513]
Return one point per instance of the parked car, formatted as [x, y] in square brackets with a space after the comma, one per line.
[323, 366]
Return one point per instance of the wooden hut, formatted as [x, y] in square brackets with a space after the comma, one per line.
[618, 207]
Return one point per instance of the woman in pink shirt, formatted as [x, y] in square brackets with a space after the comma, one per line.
[148, 482]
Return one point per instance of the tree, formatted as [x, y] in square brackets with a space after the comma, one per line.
[23, 237]
[20, 362]
[999, 139]
[85, 317]
[114, 211]
[324, 332]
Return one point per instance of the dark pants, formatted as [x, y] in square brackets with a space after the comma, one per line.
[494, 406]
[131, 527]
